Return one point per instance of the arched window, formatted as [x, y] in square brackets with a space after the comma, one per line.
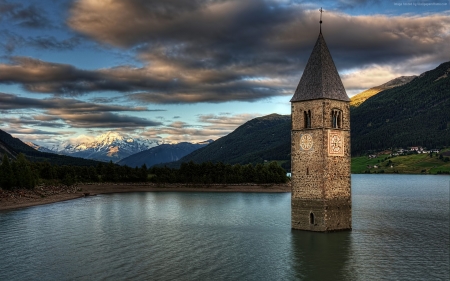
[311, 218]
[336, 118]
[307, 118]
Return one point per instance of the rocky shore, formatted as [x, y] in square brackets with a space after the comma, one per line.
[21, 198]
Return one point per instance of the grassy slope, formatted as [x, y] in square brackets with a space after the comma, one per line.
[361, 97]
[407, 164]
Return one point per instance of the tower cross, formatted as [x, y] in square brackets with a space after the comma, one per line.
[320, 10]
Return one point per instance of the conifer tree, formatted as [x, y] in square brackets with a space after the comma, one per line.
[6, 179]
[25, 177]
[143, 173]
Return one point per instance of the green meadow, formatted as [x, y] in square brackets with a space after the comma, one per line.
[403, 164]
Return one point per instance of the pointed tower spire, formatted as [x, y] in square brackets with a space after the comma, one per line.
[320, 79]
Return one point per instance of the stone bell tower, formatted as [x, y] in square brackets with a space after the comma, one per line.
[320, 147]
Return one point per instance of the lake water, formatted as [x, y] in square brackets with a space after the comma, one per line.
[400, 232]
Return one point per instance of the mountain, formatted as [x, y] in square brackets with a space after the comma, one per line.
[415, 114]
[262, 138]
[13, 146]
[110, 146]
[361, 97]
[38, 147]
[162, 154]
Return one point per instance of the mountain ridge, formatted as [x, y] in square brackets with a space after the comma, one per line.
[262, 138]
[414, 114]
[358, 99]
[161, 154]
[109, 146]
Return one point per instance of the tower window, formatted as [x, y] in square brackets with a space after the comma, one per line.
[311, 218]
[336, 118]
[307, 118]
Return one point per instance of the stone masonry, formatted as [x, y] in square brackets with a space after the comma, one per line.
[320, 147]
[320, 182]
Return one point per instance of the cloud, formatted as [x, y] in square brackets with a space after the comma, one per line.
[27, 16]
[178, 125]
[370, 76]
[106, 120]
[219, 43]
[77, 114]
[28, 131]
[212, 126]
[215, 51]
[31, 17]
[10, 101]
[32, 121]
[10, 41]
[226, 120]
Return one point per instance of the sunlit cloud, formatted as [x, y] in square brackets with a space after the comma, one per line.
[212, 127]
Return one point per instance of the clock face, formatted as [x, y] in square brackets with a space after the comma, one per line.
[335, 143]
[306, 142]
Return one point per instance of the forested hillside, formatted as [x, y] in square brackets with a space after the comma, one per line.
[264, 138]
[160, 154]
[415, 114]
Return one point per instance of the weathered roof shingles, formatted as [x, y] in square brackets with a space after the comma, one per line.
[320, 79]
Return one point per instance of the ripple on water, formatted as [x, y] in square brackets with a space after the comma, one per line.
[400, 232]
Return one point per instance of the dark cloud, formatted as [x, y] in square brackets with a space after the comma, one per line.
[28, 131]
[219, 51]
[9, 101]
[30, 16]
[75, 113]
[46, 77]
[7, 9]
[51, 43]
[107, 120]
[218, 43]
[30, 121]
[10, 41]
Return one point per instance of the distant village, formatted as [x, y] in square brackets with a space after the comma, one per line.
[402, 151]
[413, 149]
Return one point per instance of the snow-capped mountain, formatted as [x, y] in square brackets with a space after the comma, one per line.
[108, 146]
[38, 147]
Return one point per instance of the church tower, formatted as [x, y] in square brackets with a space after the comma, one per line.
[320, 147]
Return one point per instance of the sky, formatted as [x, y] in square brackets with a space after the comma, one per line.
[193, 70]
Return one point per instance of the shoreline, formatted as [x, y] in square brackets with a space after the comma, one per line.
[41, 195]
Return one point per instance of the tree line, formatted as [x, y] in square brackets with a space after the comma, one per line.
[210, 173]
[21, 173]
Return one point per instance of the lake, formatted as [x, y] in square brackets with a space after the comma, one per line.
[400, 232]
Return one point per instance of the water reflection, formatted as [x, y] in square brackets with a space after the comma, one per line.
[400, 232]
[321, 256]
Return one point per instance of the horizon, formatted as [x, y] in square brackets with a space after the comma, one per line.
[191, 71]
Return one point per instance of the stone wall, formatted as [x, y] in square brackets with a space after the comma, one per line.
[320, 180]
